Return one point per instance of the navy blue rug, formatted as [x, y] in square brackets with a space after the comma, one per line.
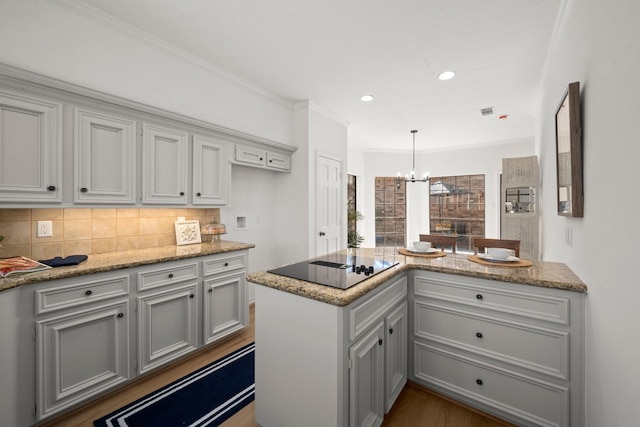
[206, 397]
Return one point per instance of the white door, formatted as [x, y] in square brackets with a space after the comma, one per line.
[329, 209]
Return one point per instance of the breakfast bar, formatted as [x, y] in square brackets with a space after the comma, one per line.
[341, 356]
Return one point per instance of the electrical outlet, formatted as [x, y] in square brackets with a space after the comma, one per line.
[45, 229]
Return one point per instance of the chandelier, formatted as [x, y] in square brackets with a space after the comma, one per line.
[411, 176]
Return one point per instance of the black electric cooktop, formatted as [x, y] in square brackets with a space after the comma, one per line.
[336, 270]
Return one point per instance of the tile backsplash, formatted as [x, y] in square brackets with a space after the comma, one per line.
[92, 230]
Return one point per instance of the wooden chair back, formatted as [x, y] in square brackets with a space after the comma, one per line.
[481, 244]
[440, 241]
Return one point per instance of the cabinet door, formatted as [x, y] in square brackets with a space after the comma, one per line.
[30, 149]
[210, 171]
[251, 156]
[395, 355]
[81, 354]
[225, 306]
[105, 158]
[366, 379]
[278, 161]
[168, 323]
[164, 167]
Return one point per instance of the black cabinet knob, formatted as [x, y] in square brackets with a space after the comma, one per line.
[479, 296]
[170, 275]
[191, 296]
[120, 315]
[51, 188]
[479, 381]
[198, 194]
[89, 292]
[182, 193]
[479, 334]
[261, 159]
[210, 290]
[83, 190]
[270, 161]
[380, 341]
[226, 264]
[390, 330]
[321, 233]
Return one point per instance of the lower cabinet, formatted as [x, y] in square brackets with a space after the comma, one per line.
[168, 325]
[80, 353]
[96, 331]
[510, 350]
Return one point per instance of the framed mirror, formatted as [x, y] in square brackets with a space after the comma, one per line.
[569, 153]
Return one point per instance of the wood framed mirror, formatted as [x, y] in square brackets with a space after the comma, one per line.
[569, 153]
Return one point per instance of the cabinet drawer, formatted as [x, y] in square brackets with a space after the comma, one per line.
[541, 350]
[365, 314]
[488, 296]
[538, 402]
[80, 292]
[152, 278]
[249, 155]
[223, 264]
[278, 161]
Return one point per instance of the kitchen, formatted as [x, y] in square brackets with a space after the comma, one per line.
[602, 242]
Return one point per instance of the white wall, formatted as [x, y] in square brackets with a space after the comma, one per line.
[598, 45]
[486, 160]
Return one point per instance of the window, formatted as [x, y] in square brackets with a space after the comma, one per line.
[390, 210]
[456, 206]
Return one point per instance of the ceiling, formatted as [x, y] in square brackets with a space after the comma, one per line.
[331, 52]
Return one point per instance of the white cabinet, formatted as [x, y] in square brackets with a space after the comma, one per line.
[366, 379]
[511, 350]
[210, 169]
[30, 149]
[225, 296]
[82, 340]
[395, 354]
[168, 325]
[164, 165]
[257, 157]
[104, 158]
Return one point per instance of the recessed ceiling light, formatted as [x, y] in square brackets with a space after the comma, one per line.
[446, 75]
[366, 98]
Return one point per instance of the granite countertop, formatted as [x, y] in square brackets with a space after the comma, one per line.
[541, 273]
[125, 259]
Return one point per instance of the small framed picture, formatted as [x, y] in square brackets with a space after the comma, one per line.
[187, 232]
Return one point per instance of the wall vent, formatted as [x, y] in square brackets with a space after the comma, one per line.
[487, 111]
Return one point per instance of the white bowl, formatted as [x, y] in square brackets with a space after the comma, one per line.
[422, 246]
[499, 253]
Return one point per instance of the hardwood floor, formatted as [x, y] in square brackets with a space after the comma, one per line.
[414, 407]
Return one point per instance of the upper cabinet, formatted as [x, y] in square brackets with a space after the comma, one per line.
[210, 171]
[164, 165]
[105, 158]
[30, 149]
[258, 157]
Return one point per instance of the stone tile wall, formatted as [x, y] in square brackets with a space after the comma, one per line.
[92, 230]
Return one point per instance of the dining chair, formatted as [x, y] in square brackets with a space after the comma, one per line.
[440, 240]
[481, 244]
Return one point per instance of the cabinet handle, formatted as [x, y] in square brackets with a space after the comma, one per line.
[170, 275]
[198, 194]
[89, 292]
[270, 161]
[479, 381]
[83, 190]
[210, 290]
[261, 159]
[191, 296]
[479, 334]
[479, 296]
[182, 193]
[226, 264]
[321, 233]
[51, 188]
[120, 315]
[391, 330]
[380, 341]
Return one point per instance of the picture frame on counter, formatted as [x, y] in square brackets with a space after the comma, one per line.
[188, 232]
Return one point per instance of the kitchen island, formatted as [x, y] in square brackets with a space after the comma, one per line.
[333, 357]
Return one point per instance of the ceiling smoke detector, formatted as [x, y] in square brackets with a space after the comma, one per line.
[487, 111]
